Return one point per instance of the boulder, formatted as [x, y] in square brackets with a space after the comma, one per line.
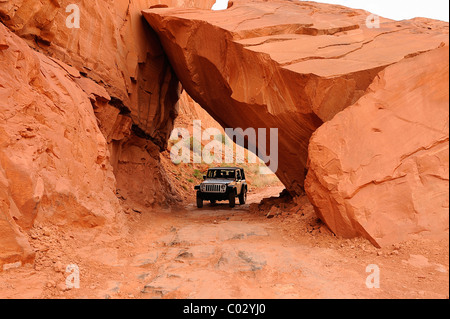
[380, 168]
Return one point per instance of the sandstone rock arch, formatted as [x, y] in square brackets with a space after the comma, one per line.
[296, 66]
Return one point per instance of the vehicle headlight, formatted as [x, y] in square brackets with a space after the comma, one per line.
[203, 187]
[223, 188]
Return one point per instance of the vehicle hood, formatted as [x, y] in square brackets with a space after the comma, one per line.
[218, 181]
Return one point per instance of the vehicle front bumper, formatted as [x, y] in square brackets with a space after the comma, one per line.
[216, 196]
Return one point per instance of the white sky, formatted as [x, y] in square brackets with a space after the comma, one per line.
[400, 9]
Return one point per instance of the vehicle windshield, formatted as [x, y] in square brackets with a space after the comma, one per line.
[222, 173]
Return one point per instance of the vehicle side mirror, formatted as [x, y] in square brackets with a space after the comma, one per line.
[204, 177]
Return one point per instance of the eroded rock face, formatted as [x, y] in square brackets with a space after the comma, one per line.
[286, 65]
[114, 47]
[380, 168]
[15, 249]
[54, 160]
[141, 178]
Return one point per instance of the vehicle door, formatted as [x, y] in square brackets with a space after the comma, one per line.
[238, 181]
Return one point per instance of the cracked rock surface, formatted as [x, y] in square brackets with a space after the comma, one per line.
[380, 168]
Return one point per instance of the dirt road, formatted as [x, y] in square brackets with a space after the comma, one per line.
[218, 252]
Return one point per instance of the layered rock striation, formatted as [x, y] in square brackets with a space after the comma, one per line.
[113, 46]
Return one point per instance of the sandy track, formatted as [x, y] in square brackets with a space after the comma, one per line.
[218, 252]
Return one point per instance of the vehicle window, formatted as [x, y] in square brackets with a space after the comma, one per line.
[221, 173]
[228, 174]
[212, 173]
[238, 175]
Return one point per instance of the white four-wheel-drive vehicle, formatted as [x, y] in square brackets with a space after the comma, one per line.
[223, 184]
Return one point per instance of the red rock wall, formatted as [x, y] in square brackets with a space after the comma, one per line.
[113, 46]
[83, 120]
[54, 160]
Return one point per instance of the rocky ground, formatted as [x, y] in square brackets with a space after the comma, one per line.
[218, 252]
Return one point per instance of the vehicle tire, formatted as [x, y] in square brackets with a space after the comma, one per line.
[243, 197]
[199, 201]
[232, 199]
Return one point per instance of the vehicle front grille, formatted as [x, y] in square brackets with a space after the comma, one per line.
[214, 188]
